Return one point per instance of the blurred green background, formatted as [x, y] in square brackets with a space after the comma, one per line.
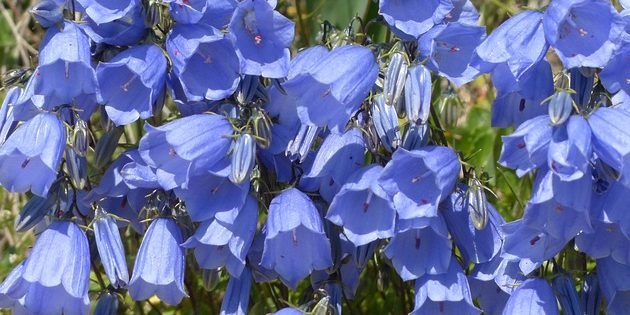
[466, 119]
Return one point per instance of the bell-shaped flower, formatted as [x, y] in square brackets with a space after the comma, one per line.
[526, 148]
[338, 156]
[30, 156]
[583, 33]
[187, 11]
[262, 37]
[518, 42]
[331, 90]
[615, 75]
[362, 208]
[534, 296]
[611, 139]
[475, 245]
[419, 180]
[282, 109]
[217, 244]
[419, 251]
[185, 147]
[236, 298]
[295, 243]
[614, 279]
[127, 30]
[410, 19]
[58, 266]
[160, 264]
[606, 240]
[204, 62]
[64, 74]
[132, 82]
[103, 11]
[531, 243]
[444, 293]
[208, 195]
[450, 49]
[111, 250]
[519, 100]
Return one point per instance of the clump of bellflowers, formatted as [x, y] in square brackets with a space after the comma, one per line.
[187, 154]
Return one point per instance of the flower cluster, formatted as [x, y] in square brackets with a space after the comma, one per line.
[320, 165]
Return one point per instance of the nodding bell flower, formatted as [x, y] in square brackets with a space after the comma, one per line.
[583, 33]
[418, 94]
[295, 243]
[395, 79]
[185, 147]
[111, 250]
[262, 37]
[103, 11]
[59, 267]
[160, 264]
[345, 149]
[363, 208]
[204, 62]
[615, 76]
[533, 296]
[243, 158]
[64, 75]
[409, 20]
[48, 12]
[31, 155]
[560, 108]
[132, 82]
[217, 244]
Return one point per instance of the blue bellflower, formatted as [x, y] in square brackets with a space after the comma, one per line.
[262, 37]
[330, 91]
[204, 62]
[127, 30]
[103, 11]
[31, 155]
[58, 267]
[583, 33]
[132, 82]
[111, 250]
[187, 146]
[160, 263]
[534, 296]
[362, 208]
[295, 243]
[614, 279]
[410, 19]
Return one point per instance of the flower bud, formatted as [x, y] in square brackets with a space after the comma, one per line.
[77, 167]
[395, 76]
[80, 137]
[299, 147]
[591, 295]
[107, 305]
[111, 250]
[476, 204]
[48, 12]
[247, 90]
[243, 158]
[582, 80]
[36, 209]
[416, 136]
[262, 128]
[386, 124]
[560, 108]
[418, 94]
[106, 146]
[564, 287]
[362, 254]
[152, 14]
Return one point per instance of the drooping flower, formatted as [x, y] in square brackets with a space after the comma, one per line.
[526, 148]
[111, 250]
[160, 263]
[127, 30]
[218, 244]
[132, 82]
[48, 12]
[363, 208]
[64, 74]
[204, 62]
[59, 267]
[185, 147]
[103, 11]
[418, 180]
[444, 293]
[410, 19]
[295, 243]
[329, 91]
[450, 49]
[615, 74]
[534, 296]
[30, 156]
[262, 37]
[419, 251]
[490, 297]
[583, 33]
